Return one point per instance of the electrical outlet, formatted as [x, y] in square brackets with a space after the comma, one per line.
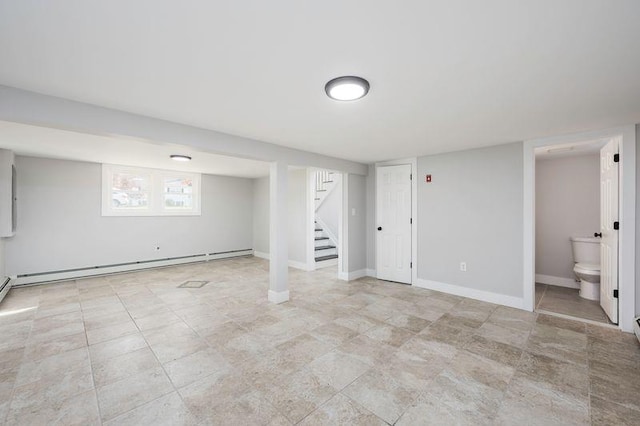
[463, 266]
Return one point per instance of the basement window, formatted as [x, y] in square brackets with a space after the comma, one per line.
[133, 191]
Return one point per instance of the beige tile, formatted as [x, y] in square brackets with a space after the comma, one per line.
[53, 366]
[502, 334]
[337, 369]
[340, 410]
[426, 348]
[441, 332]
[333, 333]
[495, 351]
[367, 350]
[251, 408]
[203, 395]
[562, 375]
[80, 409]
[303, 349]
[92, 322]
[195, 366]
[516, 319]
[481, 370]
[167, 410]
[549, 320]
[116, 347]
[156, 320]
[534, 403]
[414, 371]
[111, 332]
[138, 389]
[558, 343]
[390, 335]
[604, 412]
[297, 395]
[119, 367]
[427, 410]
[409, 322]
[36, 350]
[174, 342]
[381, 394]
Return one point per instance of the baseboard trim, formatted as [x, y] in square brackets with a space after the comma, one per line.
[326, 263]
[471, 293]
[557, 281]
[371, 273]
[278, 296]
[354, 275]
[292, 263]
[71, 274]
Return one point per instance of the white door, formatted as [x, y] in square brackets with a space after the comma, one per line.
[609, 217]
[393, 216]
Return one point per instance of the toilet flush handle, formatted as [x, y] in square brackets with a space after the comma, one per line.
[597, 234]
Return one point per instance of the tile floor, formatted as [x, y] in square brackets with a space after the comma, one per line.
[135, 349]
[567, 301]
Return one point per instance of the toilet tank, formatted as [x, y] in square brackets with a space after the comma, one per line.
[586, 250]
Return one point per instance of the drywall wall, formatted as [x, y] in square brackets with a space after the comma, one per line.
[60, 225]
[2, 261]
[567, 204]
[637, 220]
[261, 215]
[371, 217]
[297, 207]
[472, 212]
[357, 223]
[329, 210]
[297, 232]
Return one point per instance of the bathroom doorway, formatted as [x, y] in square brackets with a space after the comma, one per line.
[568, 237]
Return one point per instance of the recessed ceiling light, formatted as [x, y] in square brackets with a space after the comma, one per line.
[179, 157]
[348, 88]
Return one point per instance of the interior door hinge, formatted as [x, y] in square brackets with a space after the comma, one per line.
[616, 158]
[411, 220]
[616, 225]
[615, 293]
[410, 176]
[411, 266]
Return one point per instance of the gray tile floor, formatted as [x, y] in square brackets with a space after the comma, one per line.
[567, 301]
[135, 349]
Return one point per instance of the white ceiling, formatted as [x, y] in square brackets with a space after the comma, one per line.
[61, 144]
[445, 74]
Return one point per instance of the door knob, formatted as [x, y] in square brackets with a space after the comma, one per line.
[379, 228]
[597, 234]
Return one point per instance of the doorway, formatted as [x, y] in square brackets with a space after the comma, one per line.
[617, 293]
[394, 223]
[573, 208]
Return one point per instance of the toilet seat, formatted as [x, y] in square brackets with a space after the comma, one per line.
[587, 268]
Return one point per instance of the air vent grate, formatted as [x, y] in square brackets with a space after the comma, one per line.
[193, 284]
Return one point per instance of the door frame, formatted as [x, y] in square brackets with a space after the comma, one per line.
[413, 162]
[627, 215]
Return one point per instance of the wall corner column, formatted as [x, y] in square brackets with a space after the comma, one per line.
[278, 241]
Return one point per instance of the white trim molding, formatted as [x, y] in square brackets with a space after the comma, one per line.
[557, 281]
[291, 263]
[471, 293]
[278, 296]
[626, 245]
[354, 275]
[53, 276]
[371, 273]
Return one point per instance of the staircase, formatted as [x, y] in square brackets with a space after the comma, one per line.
[326, 251]
[325, 248]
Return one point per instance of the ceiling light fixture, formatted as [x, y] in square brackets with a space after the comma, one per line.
[179, 157]
[347, 88]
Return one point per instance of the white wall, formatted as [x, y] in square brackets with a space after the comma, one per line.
[357, 223]
[261, 215]
[637, 220]
[60, 225]
[2, 261]
[472, 212]
[567, 204]
[297, 207]
[371, 217]
[297, 200]
[329, 210]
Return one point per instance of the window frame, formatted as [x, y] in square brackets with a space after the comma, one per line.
[156, 205]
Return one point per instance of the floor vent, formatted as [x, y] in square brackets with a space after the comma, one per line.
[193, 284]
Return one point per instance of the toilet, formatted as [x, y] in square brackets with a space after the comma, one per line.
[586, 255]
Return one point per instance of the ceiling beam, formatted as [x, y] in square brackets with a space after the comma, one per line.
[21, 106]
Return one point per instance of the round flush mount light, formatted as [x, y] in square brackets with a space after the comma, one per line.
[179, 157]
[347, 88]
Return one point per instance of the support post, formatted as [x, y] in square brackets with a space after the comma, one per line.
[278, 242]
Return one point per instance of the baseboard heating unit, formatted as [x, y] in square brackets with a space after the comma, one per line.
[71, 274]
